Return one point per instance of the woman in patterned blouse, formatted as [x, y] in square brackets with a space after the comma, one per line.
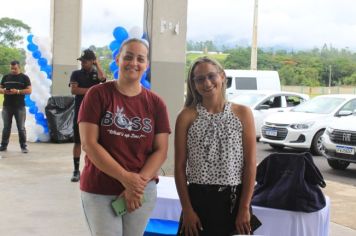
[215, 156]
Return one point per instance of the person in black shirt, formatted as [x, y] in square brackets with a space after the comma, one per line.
[14, 86]
[81, 80]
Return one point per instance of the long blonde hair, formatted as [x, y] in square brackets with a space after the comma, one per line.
[193, 97]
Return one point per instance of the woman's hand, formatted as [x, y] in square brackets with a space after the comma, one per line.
[133, 201]
[134, 189]
[134, 183]
[242, 222]
[191, 223]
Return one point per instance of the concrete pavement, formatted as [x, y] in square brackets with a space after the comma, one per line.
[37, 197]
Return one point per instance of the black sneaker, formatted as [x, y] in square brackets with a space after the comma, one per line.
[76, 176]
[3, 148]
[24, 150]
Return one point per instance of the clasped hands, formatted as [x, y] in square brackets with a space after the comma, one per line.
[134, 189]
[11, 91]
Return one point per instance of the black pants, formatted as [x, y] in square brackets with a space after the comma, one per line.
[213, 208]
[76, 126]
[20, 116]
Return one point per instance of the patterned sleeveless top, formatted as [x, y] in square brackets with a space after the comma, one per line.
[214, 148]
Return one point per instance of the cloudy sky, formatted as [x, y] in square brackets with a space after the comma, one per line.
[297, 24]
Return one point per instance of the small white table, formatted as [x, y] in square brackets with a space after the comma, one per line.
[275, 222]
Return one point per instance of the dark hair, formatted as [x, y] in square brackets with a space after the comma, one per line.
[14, 63]
[193, 97]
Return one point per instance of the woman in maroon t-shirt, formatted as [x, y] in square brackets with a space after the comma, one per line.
[124, 131]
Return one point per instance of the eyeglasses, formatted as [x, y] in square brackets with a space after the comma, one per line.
[212, 77]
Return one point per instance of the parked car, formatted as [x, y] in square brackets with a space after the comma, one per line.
[339, 141]
[264, 103]
[303, 126]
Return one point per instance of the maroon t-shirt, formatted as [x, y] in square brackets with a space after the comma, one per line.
[127, 126]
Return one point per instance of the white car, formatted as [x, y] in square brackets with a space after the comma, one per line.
[339, 141]
[264, 103]
[303, 126]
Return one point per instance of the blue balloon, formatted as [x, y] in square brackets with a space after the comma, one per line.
[33, 109]
[28, 101]
[115, 53]
[120, 34]
[39, 116]
[114, 45]
[32, 47]
[36, 54]
[146, 84]
[42, 62]
[43, 122]
[116, 74]
[113, 66]
[145, 36]
[30, 38]
[49, 75]
[144, 75]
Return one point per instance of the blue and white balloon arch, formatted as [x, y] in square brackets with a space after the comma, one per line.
[120, 34]
[39, 70]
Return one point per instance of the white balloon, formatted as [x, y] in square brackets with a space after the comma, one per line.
[43, 75]
[39, 129]
[48, 56]
[48, 83]
[27, 69]
[136, 32]
[36, 40]
[43, 137]
[33, 96]
[31, 136]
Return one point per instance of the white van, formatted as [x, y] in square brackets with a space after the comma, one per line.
[242, 80]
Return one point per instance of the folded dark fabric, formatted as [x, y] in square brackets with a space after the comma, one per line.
[289, 181]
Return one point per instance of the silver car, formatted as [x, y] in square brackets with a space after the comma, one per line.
[339, 141]
[264, 103]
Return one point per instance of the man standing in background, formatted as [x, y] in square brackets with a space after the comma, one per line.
[81, 80]
[14, 86]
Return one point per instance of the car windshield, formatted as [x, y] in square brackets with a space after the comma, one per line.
[320, 105]
[248, 99]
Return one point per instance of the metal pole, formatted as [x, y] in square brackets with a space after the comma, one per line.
[329, 79]
[254, 38]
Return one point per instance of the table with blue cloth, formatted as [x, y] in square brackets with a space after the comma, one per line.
[165, 216]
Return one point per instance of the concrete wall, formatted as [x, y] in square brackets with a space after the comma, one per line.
[66, 20]
[166, 24]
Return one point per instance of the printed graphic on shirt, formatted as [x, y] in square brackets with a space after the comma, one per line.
[124, 124]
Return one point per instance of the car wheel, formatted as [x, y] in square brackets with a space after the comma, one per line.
[316, 146]
[277, 147]
[338, 165]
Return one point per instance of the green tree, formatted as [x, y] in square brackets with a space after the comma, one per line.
[351, 80]
[10, 31]
[238, 58]
[6, 56]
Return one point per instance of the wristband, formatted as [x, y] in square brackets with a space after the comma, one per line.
[18, 91]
